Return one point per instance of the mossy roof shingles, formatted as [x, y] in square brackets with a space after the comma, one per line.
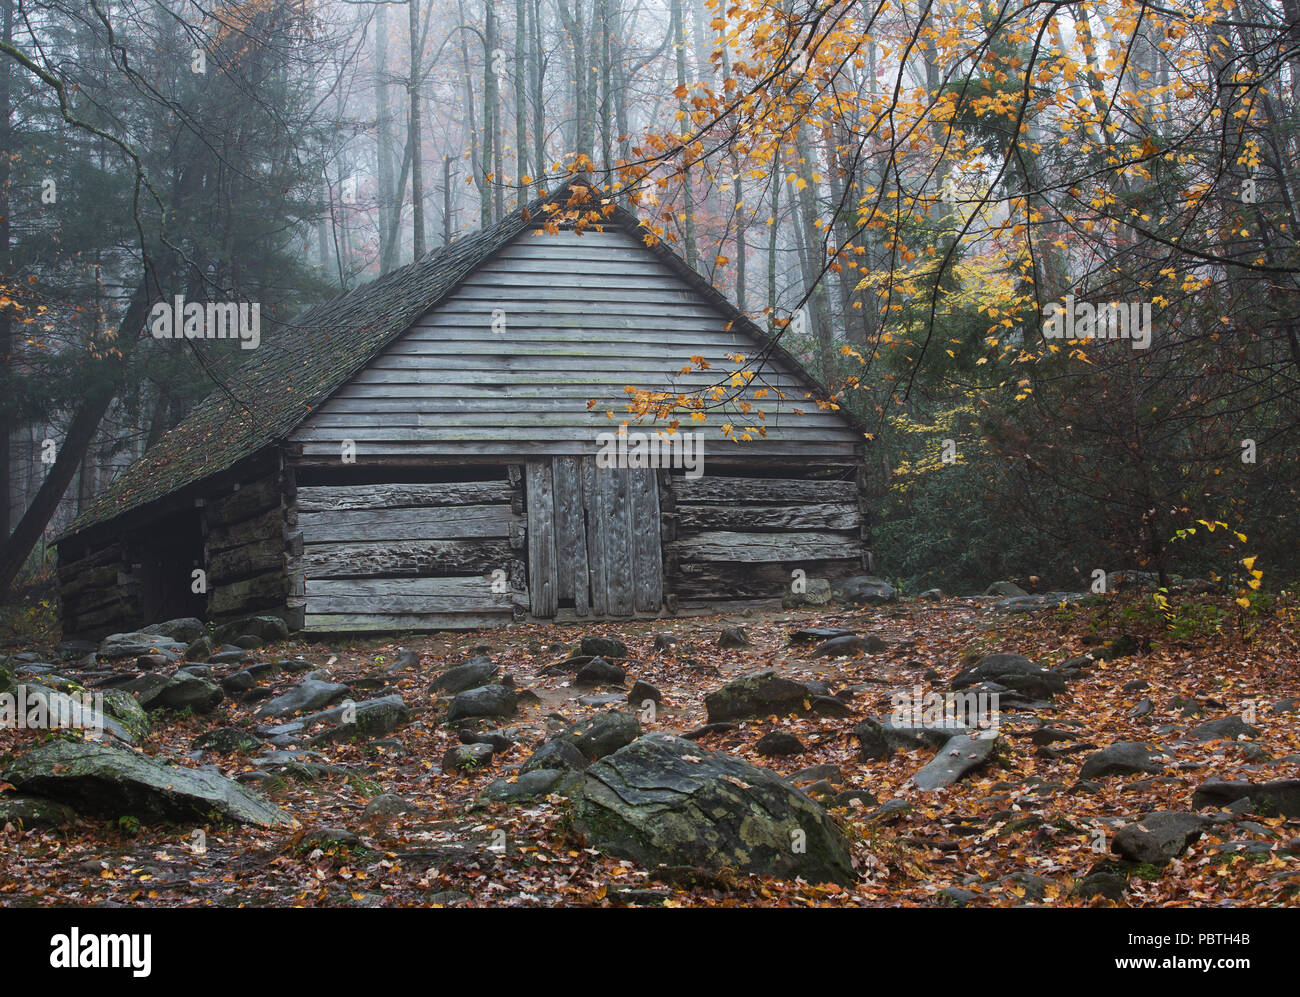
[292, 373]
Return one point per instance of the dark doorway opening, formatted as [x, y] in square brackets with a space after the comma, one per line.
[167, 555]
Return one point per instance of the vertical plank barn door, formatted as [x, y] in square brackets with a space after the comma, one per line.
[593, 539]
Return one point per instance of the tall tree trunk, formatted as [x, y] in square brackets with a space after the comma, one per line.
[80, 433]
[772, 228]
[489, 112]
[413, 89]
[539, 105]
[688, 194]
[521, 85]
[7, 417]
[383, 141]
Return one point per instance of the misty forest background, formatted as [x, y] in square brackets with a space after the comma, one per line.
[911, 182]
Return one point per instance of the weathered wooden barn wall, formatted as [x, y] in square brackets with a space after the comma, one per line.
[741, 536]
[424, 555]
[251, 547]
[100, 594]
[504, 369]
[579, 317]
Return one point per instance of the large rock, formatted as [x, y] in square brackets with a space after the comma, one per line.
[271, 629]
[485, 701]
[759, 694]
[1123, 758]
[556, 756]
[115, 647]
[1159, 837]
[1279, 798]
[663, 800]
[310, 694]
[603, 647]
[346, 721]
[1225, 728]
[961, 754]
[186, 691]
[475, 672]
[1013, 671]
[115, 782]
[863, 590]
[185, 630]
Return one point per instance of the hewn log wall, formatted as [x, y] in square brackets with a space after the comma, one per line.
[100, 595]
[739, 538]
[247, 550]
[439, 555]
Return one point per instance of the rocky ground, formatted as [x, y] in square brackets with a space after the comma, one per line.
[747, 760]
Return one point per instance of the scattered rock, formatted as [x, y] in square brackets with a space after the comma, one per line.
[473, 674]
[732, 637]
[554, 755]
[1225, 728]
[1123, 758]
[34, 811]
[641, 692]
[779, 743]
[310, 694]
[816, 592]
[818, 635]
[864, 590]
[485, 701]
[529, 785]
[603, 647]
[960, 755]
[758, 694]
[389, 805]
[602, 734]
[598, 671]
[838, 647]
[1005, 589]
[1159, 837]
[227, 740]
[1279, 798]
[467, 757]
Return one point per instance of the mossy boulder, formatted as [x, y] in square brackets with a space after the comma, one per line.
[663, 800]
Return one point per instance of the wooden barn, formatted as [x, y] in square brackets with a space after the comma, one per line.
[420, 453]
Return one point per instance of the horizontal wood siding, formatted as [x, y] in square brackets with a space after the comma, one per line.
[578, 319]
[736, 538]
[420, 556]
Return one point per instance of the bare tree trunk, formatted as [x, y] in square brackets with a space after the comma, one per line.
[539, 105]
[383, 140]
[7, 419]
[521, 83]
[80, 433]
[413, 89]
[688, 194]
[771, 233]
[738, 202]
